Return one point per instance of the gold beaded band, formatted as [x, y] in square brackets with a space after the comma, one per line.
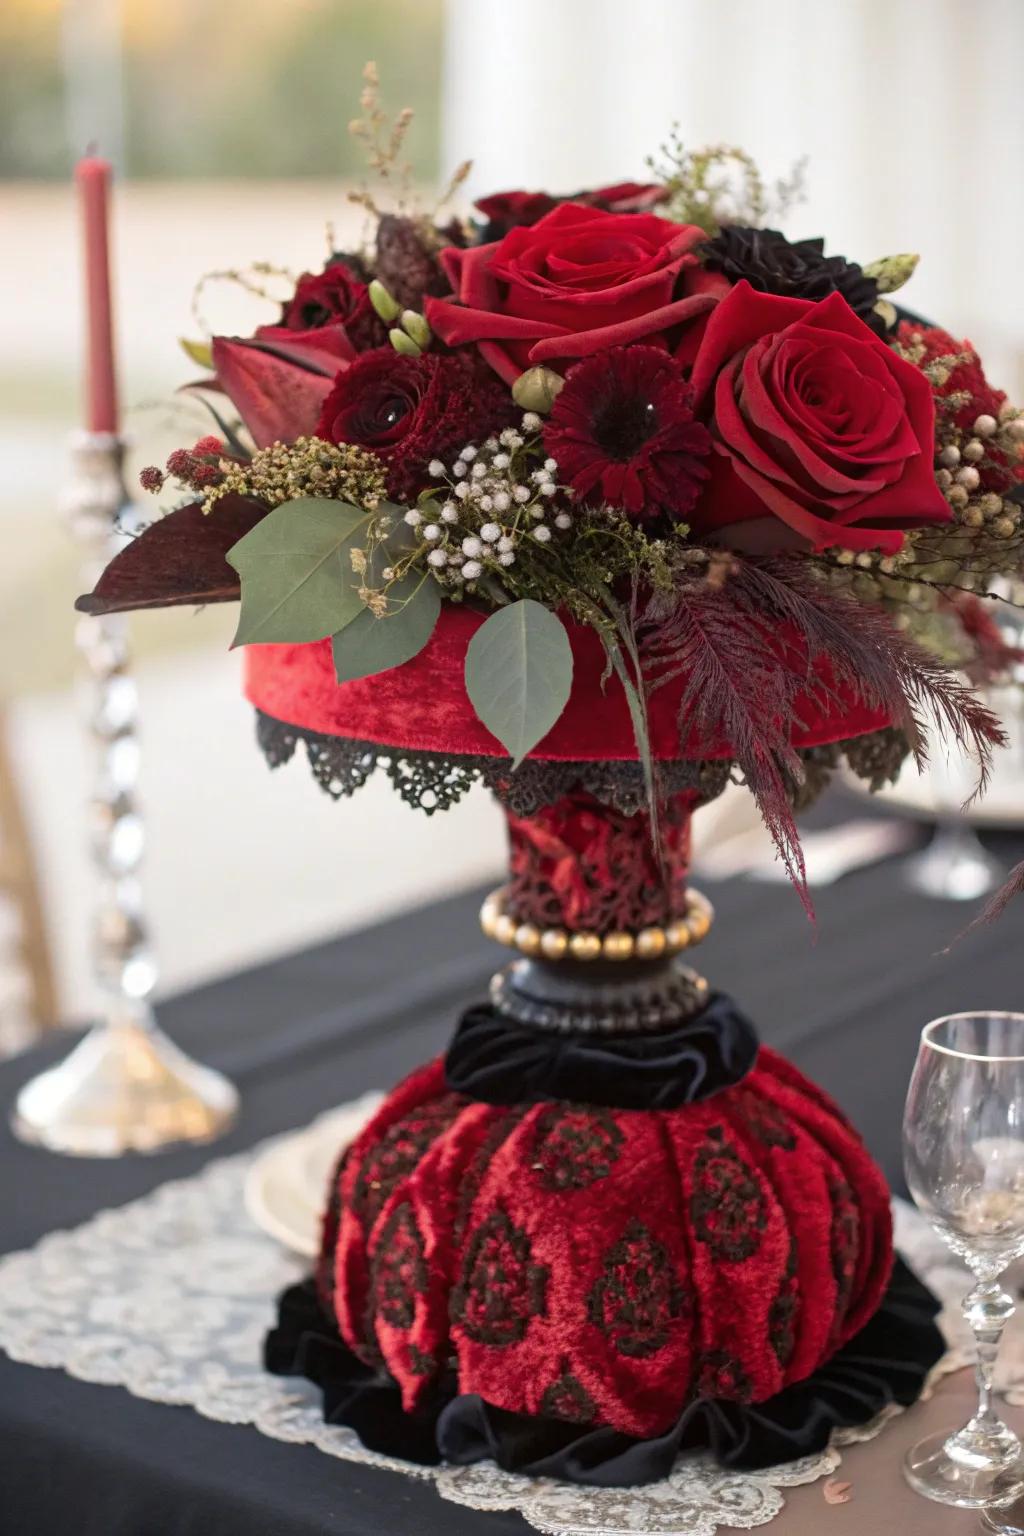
[559, 943]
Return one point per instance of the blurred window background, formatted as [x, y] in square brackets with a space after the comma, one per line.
[228, 127]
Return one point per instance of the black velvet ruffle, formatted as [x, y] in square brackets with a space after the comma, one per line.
[497, 1061]
[886, 1363]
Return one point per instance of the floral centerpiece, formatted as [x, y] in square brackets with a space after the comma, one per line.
[603, 499]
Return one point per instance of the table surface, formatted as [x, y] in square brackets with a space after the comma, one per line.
[317, 1028]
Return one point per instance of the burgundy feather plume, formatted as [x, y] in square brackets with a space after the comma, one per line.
[750, 639]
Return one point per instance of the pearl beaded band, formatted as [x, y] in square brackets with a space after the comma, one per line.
[560, 944]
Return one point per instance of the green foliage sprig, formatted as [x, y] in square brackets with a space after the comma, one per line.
[721, 184]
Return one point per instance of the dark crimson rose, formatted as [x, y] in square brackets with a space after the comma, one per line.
[332, 311]
[624, 433]
[576, 282]
[330, 296]
[817, 425]
[507, 210]
[410, 410]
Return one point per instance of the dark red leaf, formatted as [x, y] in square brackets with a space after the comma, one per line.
[278, 391]
[177, 561]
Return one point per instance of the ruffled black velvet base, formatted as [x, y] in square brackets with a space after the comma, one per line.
[496, 1061]
[886, 1363]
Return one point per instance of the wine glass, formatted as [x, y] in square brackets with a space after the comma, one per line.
[963, 1152]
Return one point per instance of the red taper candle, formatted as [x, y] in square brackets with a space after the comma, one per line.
[93, 179]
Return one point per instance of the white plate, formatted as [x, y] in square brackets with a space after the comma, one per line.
[286, 1187]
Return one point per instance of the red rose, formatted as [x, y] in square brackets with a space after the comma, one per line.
[574, 283]
[410, 410]
[816, 423]
[506, 210]
[332, 311]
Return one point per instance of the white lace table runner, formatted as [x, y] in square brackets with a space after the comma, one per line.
[171, 1295]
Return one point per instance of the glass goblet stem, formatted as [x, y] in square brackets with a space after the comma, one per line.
[987, 1309]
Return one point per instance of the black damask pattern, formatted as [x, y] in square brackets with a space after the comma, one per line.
[398, 1269]
[764, 1120]
[720, 1374]
[782, 1314]
[567, 1399]
[398, 1151]
[844, 1244]
[638, 1297]
[498, 1131]
[574, 1146]
[421, 1362]
[727, 1206]
[500, 1288]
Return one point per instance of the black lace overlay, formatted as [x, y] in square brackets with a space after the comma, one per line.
[431, 781]
[434, 781]
[886, 1363]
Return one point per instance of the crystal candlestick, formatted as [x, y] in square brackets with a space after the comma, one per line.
[126, 1086]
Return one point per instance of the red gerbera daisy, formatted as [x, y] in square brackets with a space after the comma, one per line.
[624, 433]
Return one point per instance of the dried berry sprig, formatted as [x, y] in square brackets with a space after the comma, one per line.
[308, 467]
[199, 468]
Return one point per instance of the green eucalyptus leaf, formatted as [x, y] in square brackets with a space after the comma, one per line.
[370, 644]
[296, 569]
[519, 674]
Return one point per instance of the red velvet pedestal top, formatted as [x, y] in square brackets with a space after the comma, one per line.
[423, 706]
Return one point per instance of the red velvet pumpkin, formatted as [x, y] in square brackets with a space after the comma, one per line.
[605, 1266]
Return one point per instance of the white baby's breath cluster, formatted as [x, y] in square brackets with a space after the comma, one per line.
[487, 504]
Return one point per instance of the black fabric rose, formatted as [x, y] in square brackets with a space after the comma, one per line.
[795, 269]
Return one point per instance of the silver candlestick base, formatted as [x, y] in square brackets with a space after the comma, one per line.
[125, 1087]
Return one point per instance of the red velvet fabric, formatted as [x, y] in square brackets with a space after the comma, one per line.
[422, 705]
[604, 1266]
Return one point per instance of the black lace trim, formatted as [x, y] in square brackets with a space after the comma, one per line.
[431, 781]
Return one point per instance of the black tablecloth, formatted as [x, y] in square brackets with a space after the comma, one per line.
[312, 1030]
